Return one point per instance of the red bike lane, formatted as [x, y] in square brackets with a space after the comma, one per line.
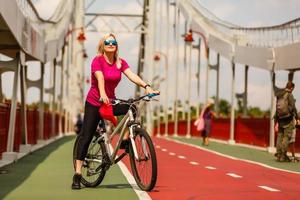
[186, 172]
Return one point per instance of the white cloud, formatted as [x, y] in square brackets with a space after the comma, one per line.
[130, 7]
[224, 10]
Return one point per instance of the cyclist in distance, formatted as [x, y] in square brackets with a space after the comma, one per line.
[106, 69]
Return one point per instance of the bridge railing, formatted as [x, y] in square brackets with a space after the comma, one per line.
[250, 131]
[32, 127]
[263, 36]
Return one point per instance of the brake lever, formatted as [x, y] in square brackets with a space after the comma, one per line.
[146, 98]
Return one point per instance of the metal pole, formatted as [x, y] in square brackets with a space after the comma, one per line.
[167, 69]
[245, 96]
[53, 98]
[61, 89]
[218, 85]
[232, 118]
[41, 104]
[199, 77]
[176, 70]
[271, 147]
[150, 44]
[159, 64]
[23, 69]
[13, 108]
[189, 92]
[185, 74]
[207, 76]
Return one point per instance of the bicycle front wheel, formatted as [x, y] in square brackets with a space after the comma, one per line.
[144, 163]
[91, 175]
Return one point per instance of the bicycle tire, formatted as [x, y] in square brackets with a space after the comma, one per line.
[95, 147]
[146, 185]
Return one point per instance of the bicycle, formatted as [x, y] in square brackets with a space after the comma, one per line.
[101, 156]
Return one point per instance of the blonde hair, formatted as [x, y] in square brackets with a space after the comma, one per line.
[102, 52]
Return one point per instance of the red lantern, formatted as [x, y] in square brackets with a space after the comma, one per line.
[189, 36]
[81, 36]
[156, 57]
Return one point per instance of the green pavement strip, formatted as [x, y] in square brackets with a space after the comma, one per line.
[47, 174]
[243, 153]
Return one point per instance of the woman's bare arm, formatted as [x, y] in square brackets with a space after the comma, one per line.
[101, 86]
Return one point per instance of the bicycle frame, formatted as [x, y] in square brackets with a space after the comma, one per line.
[121, 126]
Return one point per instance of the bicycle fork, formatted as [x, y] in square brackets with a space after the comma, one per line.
[144, 149]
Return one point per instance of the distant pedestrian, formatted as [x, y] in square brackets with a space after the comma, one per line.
[79, 123]
[286, 115]
[203, 123]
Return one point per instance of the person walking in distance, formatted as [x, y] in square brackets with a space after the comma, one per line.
[207, 114]
[286, 116]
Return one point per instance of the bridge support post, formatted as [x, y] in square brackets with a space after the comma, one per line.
[25, 147]
[198, 75]
[41, 104]
[218, 86]
[232, 116]
[150, 40]
[166, 118]
[188, 135]
[177, 29]
[271, 148]
[245, 97]
[54, 105]
[13, 65]
[217, 68]
[61, 97]
[207, 76]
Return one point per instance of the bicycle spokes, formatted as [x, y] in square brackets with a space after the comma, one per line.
[143, 162]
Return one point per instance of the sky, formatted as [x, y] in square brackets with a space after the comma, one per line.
[240, 12]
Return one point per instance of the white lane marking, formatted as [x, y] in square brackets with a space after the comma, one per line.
[194, 163]
[141, 194]
[234, 175]
[172, 154]
[231, 157]
[164, 149]
[181, 157]
[268, 188]
[210, 167]
[157, 146]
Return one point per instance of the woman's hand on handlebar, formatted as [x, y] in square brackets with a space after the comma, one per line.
[149, 90]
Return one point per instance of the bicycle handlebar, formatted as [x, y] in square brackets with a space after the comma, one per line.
[146, 97]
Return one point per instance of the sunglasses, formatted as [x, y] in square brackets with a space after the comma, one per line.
[110, 42]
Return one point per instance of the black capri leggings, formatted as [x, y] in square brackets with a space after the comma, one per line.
[90, 123]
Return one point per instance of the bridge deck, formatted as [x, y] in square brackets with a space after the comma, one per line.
[47, 172]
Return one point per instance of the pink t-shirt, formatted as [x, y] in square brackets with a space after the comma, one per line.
[112, 77]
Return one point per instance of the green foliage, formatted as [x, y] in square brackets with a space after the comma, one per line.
[256, 112]
[224, 108]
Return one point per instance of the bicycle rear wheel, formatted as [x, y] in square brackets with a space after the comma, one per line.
[94, 158]
[144, 168]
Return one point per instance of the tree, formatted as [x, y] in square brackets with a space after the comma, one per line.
[224, 107]
[255, 112]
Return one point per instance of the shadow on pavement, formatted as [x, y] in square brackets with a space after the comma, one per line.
[13, 175]
[115, 186]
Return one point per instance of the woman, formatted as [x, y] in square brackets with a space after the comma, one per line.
[106, 72]
[207, 115]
